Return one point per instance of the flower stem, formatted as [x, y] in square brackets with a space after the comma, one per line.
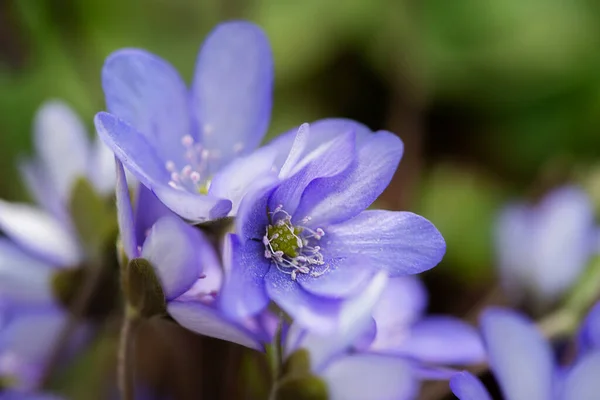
[125, 365]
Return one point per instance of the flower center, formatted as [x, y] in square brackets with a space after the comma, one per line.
[193, 176]
[292, 247]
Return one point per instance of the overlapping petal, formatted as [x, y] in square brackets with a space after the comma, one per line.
[467, 387]
[582, 383]
[232, 90]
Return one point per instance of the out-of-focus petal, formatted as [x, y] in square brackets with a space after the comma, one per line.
[102, 168]
[23, 278]
[39, 232]
[125, 213]
[148, 210]
[350, 193]
[443, 340]
[400, 243]
[243, 293]
[402, 303]
[147, 92]
[232, 90]
[465, 386]
[41, 189]
[62, 145]
[207, 321]
[519, 356]
[582, 383]
[370, 376]
[173, 248]
[589, 333]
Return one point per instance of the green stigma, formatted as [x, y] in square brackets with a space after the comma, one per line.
[282, 238]
[203, 189]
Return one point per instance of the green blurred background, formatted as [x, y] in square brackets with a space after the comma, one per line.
[493, 98]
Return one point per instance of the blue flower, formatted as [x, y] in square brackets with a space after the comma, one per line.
[349, 374]
[543, 249]
[402, 329]
[305, 240]
[186, 265]
[182, 143]
[41, 243]
[524, 366]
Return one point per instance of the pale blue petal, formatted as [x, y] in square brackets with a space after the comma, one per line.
[589, 332]
[400, 243]
[519, 356]
[370, 376]
[39, 232]
[204, 320]
[147, 92]
[232, 90]
[582, 382]
[465, 386]
[125, 213]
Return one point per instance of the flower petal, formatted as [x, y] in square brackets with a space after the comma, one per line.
[204, 320]
[388, 378]
[236, 179]
[125, 214]
[465, 386]
[327, 161]
[148, 93]
[443, 340]
[320, 132]
[398, 242]
[312, 312]
[243, 293]
[342, 277]
[39, 233]
[62, 145]
[296, 151]
[354, 322]
[402, 303]
[252, 217]
[102, 168]
[41, 189]
[148, 210]
[350, 193]
[23, 278]
[141, 159]
[582, 383]
[232, 90]
[175, 250]
[519, 356]
[589, 333]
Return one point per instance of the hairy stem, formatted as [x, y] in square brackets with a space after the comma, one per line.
[125, 366]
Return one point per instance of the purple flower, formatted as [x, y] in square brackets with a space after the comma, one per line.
[186, 265]
[402, 328]
[305, 240]
[543, 249]
[41, 242]
[192, 148]
[524, 366]
[345, 371]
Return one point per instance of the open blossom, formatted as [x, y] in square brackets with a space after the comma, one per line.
[524, 365]
[543, 249]
[192, 147]
[306, 242]
[349, 374]
[41, 244]
[187, 266]
[403, 329]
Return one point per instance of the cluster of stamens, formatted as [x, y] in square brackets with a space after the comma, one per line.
[192, 177]
[291, 248]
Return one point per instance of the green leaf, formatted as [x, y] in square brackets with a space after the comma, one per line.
[94, 218]
[297, 364]
[307, 387]
[143, 289]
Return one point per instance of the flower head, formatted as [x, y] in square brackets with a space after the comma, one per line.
[182, 143]
[543, 249]
[306, 242]
[524, 366]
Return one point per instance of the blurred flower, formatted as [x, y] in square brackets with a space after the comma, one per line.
[181, 143]
[402, 328]
[186, 265]
[305, 241]
[524, 366]
[42, 255]
[543, 249]
[344, 371]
